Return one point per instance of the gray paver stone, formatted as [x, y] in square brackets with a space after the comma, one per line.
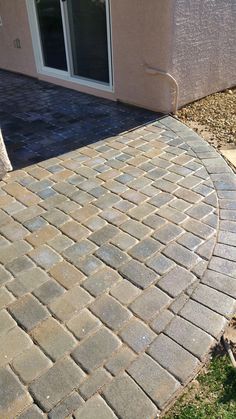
[69, 405]
[14, 397]
[20, 264]
[206, 249]
[220, 282]
[153, 379]
[150, 303]
[78, 250]
[48, 291]
[57, 383]
[176, 281]
[94, 383]
[137, 335]
[89, 264]
[226, 252]
[32, 413]
[138, 274]
[204, 318]
[83, 324]
[45, 257]
[104, 234]
[227, 237]
[217, 301]
[27, 281]
[28, 311]
[125, 292]
[168, 233]
[120, 360]
[161, 321]
[160, 264]
[136, 229]
[190, 337]
[174, 358]
[111, 255]
[145, 249]
[198, 228]
[30, 364]
[190, 241]
[93, 352]
[128, 400]
[95, 408]
[223, 266]
[111, 312]
[181, 255]
[101, 281]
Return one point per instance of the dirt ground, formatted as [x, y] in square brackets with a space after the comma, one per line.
[214, 118]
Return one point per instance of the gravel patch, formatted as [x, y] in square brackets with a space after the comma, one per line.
[214, 118]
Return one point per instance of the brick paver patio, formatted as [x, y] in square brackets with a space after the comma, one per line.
[117, 273]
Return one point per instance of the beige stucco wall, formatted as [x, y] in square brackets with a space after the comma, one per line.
[194, 40]
[204, 47]
[15, 25]
[141, 35]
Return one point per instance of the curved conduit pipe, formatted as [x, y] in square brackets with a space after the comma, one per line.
[155, 71]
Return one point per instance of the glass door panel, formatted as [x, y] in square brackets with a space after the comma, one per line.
[89, 41]
[51, 33]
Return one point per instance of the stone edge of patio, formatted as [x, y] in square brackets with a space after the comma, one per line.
[224, 181]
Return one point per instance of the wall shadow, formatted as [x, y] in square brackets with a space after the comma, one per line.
[40, 120]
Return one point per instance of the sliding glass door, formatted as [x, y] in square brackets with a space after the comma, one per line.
[88, 33]
[74, 38]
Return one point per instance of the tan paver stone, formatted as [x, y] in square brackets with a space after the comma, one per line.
[14, 343]
[53, 338]
[6, 322]
[38, 172]
[42, 236]
[70, 303]
[74, 230]
[83, 324]
[30, 364]
[66, 274]
[5, 298]
[22, 194]
[14, 250]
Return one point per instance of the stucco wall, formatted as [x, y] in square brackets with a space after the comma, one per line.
[141, 35]
[204, 47]
[15, 25]
[194, 40]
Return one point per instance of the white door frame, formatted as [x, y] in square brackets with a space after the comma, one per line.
[60, 74]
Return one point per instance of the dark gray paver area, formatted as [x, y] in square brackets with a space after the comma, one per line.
[117, 263]
[44, 120]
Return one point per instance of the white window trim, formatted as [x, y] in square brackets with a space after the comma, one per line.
[67, 75]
